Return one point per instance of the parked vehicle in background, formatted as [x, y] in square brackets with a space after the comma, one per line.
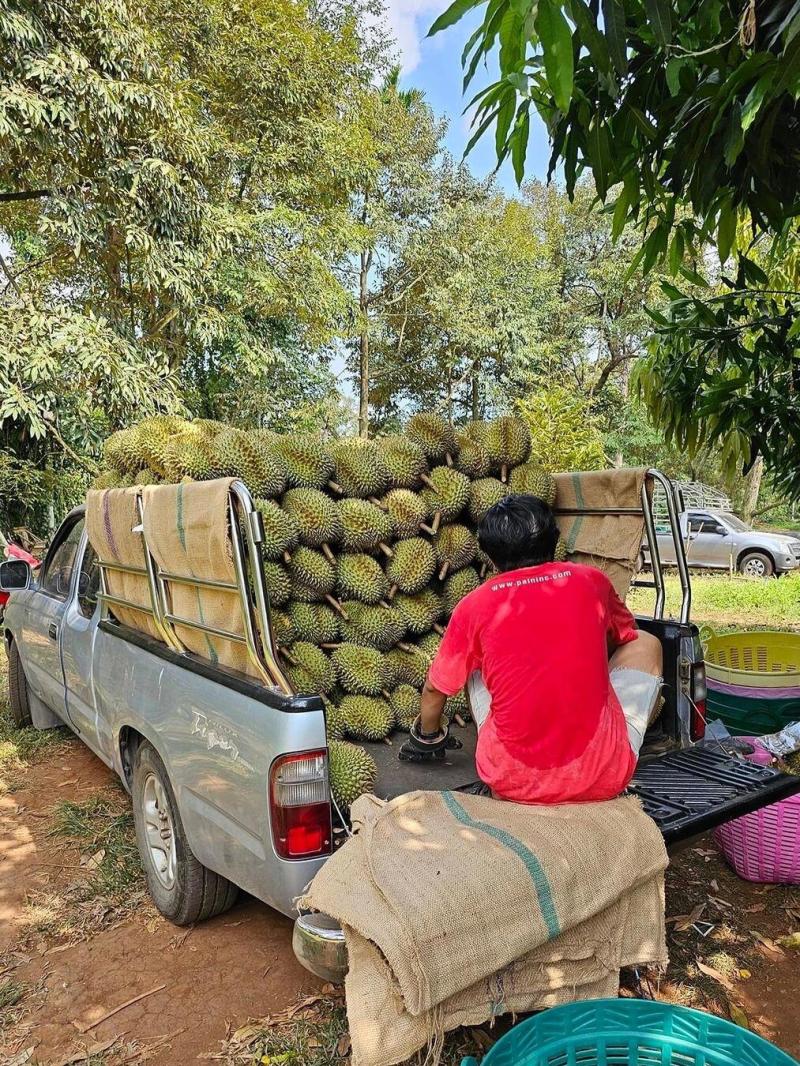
[719, 540]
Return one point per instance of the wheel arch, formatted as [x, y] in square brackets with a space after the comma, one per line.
[129, 739]
[756, 551]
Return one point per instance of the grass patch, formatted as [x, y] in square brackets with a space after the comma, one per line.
[21, 747]
[725, 602]
[11, 992]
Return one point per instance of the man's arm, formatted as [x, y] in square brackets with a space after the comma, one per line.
[430, 708]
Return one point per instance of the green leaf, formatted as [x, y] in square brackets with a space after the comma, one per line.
[693, 277]
[660, 18]
[456, 11]
[673, 75]
[556, 38]
[600, 156]
[591, 37]
[479, 132]
[676, 252]
[620, 214]
[519, 147]
[726, 231]
[615, 31]
[505, 117]
[755, 99]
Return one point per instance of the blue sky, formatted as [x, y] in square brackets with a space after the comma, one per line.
[434, 65]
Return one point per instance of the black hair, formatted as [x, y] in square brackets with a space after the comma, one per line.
[519, 531]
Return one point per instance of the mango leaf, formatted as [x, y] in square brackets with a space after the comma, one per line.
[452, 15]
[660, 18]
[755, 99]
[726, 231]
[614, 24]
[519, 139]
[556, 38]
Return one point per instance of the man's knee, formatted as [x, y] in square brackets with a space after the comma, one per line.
[644, 654]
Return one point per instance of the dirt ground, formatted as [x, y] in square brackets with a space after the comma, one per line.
[63, 976]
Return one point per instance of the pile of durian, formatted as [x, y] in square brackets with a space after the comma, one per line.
[368, 547]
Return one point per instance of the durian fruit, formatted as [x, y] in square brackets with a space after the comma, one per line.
[457, 586]
[122, 451]
[316, 622]
[281, 532]
[189, 455]
[310, 569]
[407, 511]
[110, 479]
[456, 708]
[279, 584]
[334, 720]
[209, 427]
[508, 443]
[154, 435]
[365, 527]
[360, 577]
[307, 657]
[435, 436]
[445, 494]
[317, 517]
[404, 701]
[308, 463]
[429, 645]
[362, 671]
[410, 667]
[238, 455]
[484, 564]
[405, 461]
[359, 468]
[472, 458]
[352, 772]
[374, 627]
[561, 551]
[283, 628]
[420, 612]
[455, 547]
[412, 566]
[483, 494]
[532, 479]
[367, 718]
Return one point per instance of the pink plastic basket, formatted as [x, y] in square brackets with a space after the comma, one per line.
[764, 845]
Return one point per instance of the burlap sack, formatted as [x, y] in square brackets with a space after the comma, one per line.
[187, 527]
[609, 542]
[111, 516]
[443, 895]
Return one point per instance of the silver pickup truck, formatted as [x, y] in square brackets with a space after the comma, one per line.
[228, 774]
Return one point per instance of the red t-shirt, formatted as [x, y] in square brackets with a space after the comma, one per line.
[540, 637]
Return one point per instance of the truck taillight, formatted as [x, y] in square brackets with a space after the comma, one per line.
[300, 805]
[697, 728]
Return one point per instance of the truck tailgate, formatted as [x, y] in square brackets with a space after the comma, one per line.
[685, 792]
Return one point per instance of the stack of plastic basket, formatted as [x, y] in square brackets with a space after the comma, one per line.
[753, 680]
[764, 845]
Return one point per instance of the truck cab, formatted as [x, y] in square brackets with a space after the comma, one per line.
[719, 540]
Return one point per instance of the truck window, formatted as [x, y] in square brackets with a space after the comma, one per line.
[704, 523]
[60, 562]
[88, 582]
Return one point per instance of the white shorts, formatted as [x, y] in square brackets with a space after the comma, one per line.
[637, 692]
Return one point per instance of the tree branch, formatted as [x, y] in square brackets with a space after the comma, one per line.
[32, 194]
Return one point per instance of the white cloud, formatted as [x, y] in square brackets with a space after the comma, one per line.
[409, 21]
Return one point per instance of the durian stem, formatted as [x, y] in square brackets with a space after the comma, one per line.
[330, 647]
[437, 521]
[334, 486]
[448, 459]
[387, 551]
[438, 629]
[289, 658]
[386, 695]
[326, 551]
[287, 557]
[403, 646]
[443, 571]
[427, 529]
[427, 481]
[386, 604]
[337, 606]
[379, 504]
[483, 571]
[504, 473]
[459, 719]
[392, 593]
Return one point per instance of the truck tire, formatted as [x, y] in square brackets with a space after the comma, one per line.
[183, 890]
[756, 564]
[17, 689]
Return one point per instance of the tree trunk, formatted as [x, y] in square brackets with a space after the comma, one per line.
[475, 406]
[751, 488]
[363, 361]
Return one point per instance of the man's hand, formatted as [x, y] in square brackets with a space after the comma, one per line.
[427, 747]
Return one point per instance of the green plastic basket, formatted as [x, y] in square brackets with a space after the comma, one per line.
[630, 1032]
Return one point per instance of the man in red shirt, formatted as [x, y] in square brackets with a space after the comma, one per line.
[561, 682]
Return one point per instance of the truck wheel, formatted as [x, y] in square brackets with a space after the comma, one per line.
[756, 564]
[17, 689]
[182, 888]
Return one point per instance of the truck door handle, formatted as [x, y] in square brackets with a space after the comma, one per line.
[52, 631]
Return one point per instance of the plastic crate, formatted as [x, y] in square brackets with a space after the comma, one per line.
[630, 1032]
[758, 659]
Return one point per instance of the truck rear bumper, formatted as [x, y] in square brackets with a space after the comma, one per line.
[318, 943]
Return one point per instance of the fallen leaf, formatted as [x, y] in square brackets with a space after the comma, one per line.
[720, 902]
[709, 971]
[765, 941]
[86, 1053]
[745, 974]
[790, 941]
[793, 913]
[685, 923]
[343, 1045]
[737, 1015]
[21, 1058]
[91, 862]
[246, 1033]
[755, 909]
[714, 886]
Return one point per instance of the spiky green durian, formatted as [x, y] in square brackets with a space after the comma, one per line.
[283, 628]
[188, 455]
[483, 494]
[334, 720]
[281, 532]
[429, 645]
[316, 622]
[359, 467]
[445, 494]
[279, 584]
[208, 427]
[362, 671]
[315, 662]
[455, 547]
[352, 772]
[364, 526]
[404, 701]
[420, 612]
[407, 510]
[316, 515]
[367, 718]
[507, 442]
[412, 566]
[375, 627]
[123, 452]
[308, 463]
[405, 461]
[154, 435]
[561, 554]
[301, 680]
[472, 458]
[533, 479]
[457, 705]
[238, 455]
[434, 435]
[360, 577]
[410, 667]
[458, 586]
[310, 569]
[111, 479]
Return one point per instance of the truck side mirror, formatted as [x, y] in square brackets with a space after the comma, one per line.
[15, 575]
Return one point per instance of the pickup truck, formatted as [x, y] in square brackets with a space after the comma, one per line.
[228, 773]
[719, 540]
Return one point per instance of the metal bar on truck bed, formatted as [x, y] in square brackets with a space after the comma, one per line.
[177, 620]
[168, 634]
[198, 582]
[670, 492]
[655, 555]
[106, 597]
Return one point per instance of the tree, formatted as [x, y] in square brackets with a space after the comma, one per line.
[686, 115]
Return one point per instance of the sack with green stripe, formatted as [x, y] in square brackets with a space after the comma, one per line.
[457, 907]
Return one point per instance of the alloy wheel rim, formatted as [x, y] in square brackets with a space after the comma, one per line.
[754, 567]
[159, 830]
